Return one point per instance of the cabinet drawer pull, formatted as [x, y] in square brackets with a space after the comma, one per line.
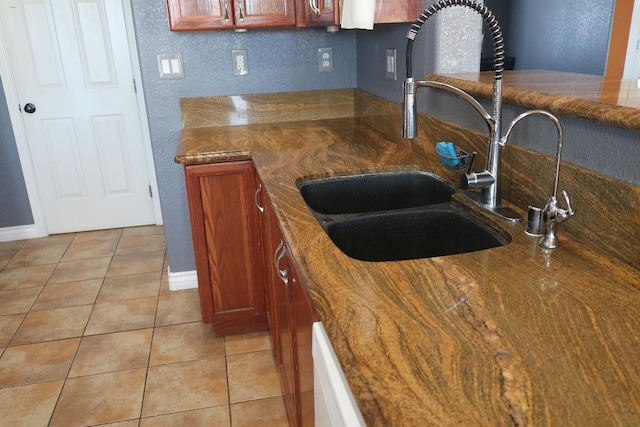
[224, 4]
[255, 197]
[282, 273]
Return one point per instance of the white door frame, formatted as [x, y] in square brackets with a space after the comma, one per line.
[632, 59]
[39, 228]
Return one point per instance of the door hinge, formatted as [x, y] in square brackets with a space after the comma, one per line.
[135, 87]
[150, 192]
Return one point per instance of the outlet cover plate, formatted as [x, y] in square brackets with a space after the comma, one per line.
[325, 59]
[240, 62]
[392, 67]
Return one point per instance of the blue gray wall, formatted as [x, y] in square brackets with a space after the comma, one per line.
[14, 202]
[568, 35]
[279, 60]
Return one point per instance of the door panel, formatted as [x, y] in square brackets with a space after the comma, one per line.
[71, 60]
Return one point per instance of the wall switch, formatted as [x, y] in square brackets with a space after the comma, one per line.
[325, 59]
[170, 66]
[240, 62]
[392, 69]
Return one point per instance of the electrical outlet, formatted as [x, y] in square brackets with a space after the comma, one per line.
[392, 69]
[325, 59]
[240, 62]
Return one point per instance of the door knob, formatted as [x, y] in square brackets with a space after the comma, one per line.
[29, 108]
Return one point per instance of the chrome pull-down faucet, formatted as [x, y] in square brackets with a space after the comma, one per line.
[488, 180]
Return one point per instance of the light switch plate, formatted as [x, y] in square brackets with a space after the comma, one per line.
[392, 68]
[170, 66]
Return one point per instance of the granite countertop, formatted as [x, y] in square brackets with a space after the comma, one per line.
[607, 100]
[514, 335]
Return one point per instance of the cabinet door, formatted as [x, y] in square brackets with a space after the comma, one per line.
[322, 12]
[200, 14]
[228, 247]
[389, 11]
[264, 13]
[302, 318]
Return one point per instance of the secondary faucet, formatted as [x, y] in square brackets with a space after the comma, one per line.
[489, 179]
[545, 221]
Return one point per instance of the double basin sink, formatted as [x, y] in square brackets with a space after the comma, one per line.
[394, 216]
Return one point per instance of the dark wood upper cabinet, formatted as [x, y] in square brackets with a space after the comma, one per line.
[227, 14]
[187, 15]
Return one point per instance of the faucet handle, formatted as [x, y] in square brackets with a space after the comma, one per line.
[569, 211]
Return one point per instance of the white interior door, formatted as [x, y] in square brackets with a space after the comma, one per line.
[70, 61]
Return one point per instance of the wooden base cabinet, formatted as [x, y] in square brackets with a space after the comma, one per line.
[228, 246]
[291, 318]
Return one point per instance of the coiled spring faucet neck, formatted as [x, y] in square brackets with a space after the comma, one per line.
[487, 180]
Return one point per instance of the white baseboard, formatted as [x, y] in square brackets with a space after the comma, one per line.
[21, 232]
[182, 280]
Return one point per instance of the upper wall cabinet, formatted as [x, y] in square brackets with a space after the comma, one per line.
[240, 14]
[327, 12]
[227, 14]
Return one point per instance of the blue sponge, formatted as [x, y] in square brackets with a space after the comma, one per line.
[448, 153]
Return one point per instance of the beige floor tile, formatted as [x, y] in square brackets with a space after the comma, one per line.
[34, 363]
[144, 230]
[130, 423]
[53, 240]
[180, 343]
[253, 376]
[5, 257]
[25, 277]
[37, 255]
[259, 413]
[14, 245]
[17, 301]
[98, 235]
[8, 327]
[164, 283]
[112, 352]
[98, 399]
[75, 271]
[122, 316]
[130, 286]
[179, 307]
[88, 250]
[185, 386]
[29, 405]
[217, 416]
[136, 263]
[136, 244]
[245, 343]
[68, 294]
[49, 325]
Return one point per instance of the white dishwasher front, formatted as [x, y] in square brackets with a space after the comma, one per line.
[335, 405]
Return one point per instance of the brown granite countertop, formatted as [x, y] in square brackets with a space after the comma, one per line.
[610, 101]
[514, 335]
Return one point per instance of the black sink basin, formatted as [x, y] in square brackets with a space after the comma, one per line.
[395, 236]
[375, 192]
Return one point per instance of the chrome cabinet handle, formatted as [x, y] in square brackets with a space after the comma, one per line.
[240, 11]
[282, 273]
[255, 198]
[313, 4]
[225, 6]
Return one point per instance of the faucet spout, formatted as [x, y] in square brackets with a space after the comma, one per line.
[488, 180]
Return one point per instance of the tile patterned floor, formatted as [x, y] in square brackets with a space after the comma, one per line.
[91, 335]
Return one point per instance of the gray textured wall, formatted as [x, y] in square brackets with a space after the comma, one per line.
[14, 202]
[279, 60]
[568, 35]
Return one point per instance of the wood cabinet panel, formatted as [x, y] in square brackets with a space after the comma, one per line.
[389, 11]
[228, 246]
[227, 14]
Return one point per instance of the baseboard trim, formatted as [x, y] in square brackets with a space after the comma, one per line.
[20, 232]
[182, 280]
